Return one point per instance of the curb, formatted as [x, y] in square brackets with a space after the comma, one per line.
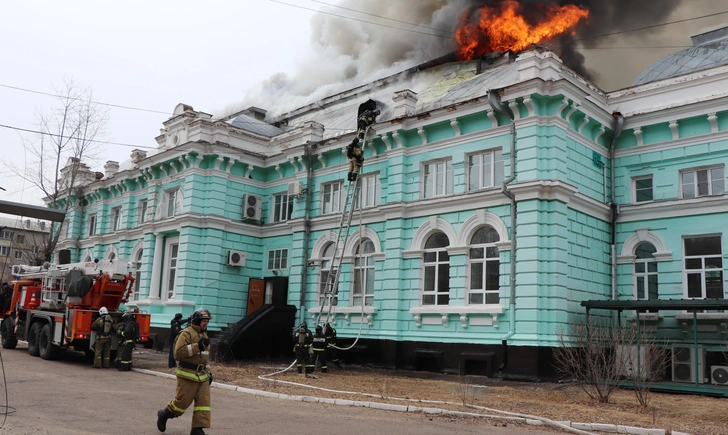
[598, 427]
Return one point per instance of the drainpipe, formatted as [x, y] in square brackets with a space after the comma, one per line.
[618, 125]
[495, 103]
[306, 227]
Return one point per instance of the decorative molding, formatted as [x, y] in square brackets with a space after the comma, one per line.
[370, 144]
[353, 241]
[455, 126]
[642, 235]
[713, 119]
[638, 134]
[278, 169]
[673, 130]
[513, 104]
[574, 107]
[387, 142]
[421, 133]
[397, 138]
[583, 124]
[564, 105]
[320, 158]
[464, 312]
[478, 220]
[249, 170]
[529, 105]
[493, 119]
[323, 240]
[602, 129]
[429, 227]
[348, 312]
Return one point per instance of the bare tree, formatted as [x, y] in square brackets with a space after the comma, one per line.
[68, 133]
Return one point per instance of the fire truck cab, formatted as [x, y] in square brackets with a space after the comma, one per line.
[54, 306]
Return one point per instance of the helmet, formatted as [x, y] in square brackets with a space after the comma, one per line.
[199, 315]
[304, 325]
[178, 316]
[103, 311]
[127, 316]
[319, 329]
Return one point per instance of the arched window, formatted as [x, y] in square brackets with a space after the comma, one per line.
[645, 272]
[328, 257]
[137, 274]
[436, 271]
[484, 266]
[363, 274]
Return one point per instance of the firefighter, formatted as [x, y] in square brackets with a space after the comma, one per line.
[302, 340]
[175, 326]
[333, 353]
[104, 327]
[127, 336]
[320, 345]
[191, 351]
[353, 151]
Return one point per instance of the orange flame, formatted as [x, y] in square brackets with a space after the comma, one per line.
[506, 29]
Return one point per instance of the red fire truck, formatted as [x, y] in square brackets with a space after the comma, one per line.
[53, 307]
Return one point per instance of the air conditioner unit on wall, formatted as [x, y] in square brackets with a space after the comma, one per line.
[295, 188]
[236, 258]
[683, 365]
[628, 358]
[719, 375]
[252, 207]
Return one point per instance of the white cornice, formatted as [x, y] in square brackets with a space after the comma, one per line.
[672, 144]
[673, 208]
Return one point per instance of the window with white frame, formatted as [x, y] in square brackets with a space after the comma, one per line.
[643, 189]
[331, 198]
[485, 169]
[437, 178]
[328, 258]
[66, 229]
[645, 272]
[92, 225]
[6, 234]
[363, 283]
[142, 209]
[703, 182]
[171, 204]
[18, 254]
[170, 279]
[277, 259]
[484, 267]
[115, 218]
[137, 274]
[436, 271]
[703, 267]
[370, 191]
[4, 251]
[282, 207]
[36, 249]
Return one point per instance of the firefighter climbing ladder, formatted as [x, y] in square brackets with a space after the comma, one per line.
[331, 288]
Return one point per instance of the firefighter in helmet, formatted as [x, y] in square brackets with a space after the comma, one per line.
[333, 353]
[353, 151]
[127, 335]
[302, 340]
[320, 345]
[191, 350]
[175, 326]
[104, 327]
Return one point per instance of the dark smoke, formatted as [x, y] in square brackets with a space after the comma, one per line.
[605, 16]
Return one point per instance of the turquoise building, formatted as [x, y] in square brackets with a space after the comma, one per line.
[497, 195]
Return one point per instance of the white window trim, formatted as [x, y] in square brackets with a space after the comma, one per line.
[320, 293]
[468, 271]
[167, 264]
[92, 218]
[633, 188]
[116, 219]
[491, 152]
[18, 254]
[273, 251]
[710, 183]
[702, 271]
[367, 258]
[284, 210]
[5, 251]
[364, 191]
[646, 274]
[335, 201]
[142, 218]
[435, 293]
[449, 182]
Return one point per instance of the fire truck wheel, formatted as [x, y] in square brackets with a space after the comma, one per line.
[9, 340]
[33, 339]
[48, 350]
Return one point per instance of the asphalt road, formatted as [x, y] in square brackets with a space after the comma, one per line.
[68, 397]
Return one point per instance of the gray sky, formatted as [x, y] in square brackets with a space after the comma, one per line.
[214, 55]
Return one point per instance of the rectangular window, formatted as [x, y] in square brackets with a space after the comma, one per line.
[437, 178]
[115, 218]
[6, 234]
[331, 198]
[703, 267]
[643, 189]
[67, 229]
[18, 254]
[485, 170]
[4, 251]
[142, 209]
[282, 208]
[436, 289]
[36, 249]
[171, 281]
[20, 238]
[92, 225]
[171, 203]
[703, 182]
[370, 191]
[278, 259]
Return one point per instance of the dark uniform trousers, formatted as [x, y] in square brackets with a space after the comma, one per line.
[193, 384]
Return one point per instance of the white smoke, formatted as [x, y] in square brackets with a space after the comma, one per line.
[345, 53]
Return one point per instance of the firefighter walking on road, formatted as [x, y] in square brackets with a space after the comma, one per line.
[191, 350]
[302, 340]
[320, 347]
[127, 336]
[104, 327]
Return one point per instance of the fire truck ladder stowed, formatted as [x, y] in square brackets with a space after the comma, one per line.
[331, 288]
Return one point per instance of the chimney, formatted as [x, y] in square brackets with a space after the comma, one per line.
[404, 103]
[111, 168]
[137, 155]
